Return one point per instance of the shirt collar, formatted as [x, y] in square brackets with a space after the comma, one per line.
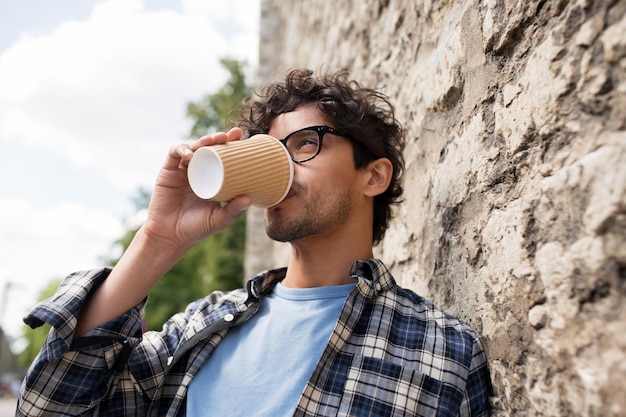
[375, 274]
[372, 272]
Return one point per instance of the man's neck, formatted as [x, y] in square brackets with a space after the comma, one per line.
[318, 262]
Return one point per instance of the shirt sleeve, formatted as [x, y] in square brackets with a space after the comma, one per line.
[72, 375]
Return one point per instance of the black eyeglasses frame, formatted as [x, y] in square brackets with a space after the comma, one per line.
[321, 130]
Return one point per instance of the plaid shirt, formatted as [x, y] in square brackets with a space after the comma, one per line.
[392, 353]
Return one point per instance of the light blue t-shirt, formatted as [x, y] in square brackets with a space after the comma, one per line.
[262, 366]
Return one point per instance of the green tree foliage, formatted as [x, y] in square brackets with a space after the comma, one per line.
[215, 112]
[35, 338]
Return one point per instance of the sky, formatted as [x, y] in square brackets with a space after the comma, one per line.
[92, 95]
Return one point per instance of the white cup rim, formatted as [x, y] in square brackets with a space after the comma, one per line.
[206, 173]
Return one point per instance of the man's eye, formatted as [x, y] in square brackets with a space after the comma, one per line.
[304, 143]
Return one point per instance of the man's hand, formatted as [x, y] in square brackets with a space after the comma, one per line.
[176, 215]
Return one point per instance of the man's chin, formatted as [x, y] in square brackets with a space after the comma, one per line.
[279, 235]
[285, 233]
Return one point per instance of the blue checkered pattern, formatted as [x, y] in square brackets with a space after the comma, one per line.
[392, 353]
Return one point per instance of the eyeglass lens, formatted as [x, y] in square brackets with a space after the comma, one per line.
[303, 145]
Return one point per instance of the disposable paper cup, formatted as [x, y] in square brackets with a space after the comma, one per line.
[259, 167]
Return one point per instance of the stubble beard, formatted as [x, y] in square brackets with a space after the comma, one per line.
[312, 217]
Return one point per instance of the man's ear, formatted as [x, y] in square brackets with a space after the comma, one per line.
[379, 173]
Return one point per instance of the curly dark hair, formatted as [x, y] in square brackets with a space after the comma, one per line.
[364, 115]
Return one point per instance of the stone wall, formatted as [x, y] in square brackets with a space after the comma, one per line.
[515, 210]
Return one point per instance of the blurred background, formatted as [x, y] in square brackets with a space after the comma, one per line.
[92, 95]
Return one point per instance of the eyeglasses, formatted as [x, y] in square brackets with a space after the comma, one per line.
[305, 144]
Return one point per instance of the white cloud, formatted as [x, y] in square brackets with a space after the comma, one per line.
[111, 91]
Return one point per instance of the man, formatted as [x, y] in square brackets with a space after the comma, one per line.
[331, 334]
